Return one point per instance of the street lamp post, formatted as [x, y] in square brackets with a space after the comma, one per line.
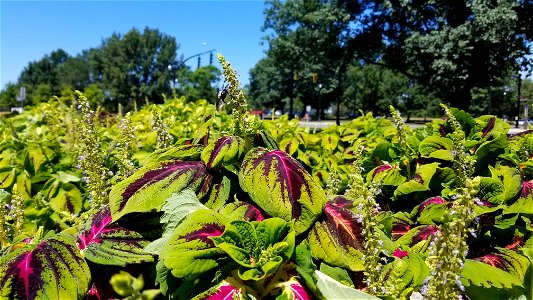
[320, 101]
[518, 99]
[173, 70]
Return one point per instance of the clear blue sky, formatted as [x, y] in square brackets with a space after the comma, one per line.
[31, 29]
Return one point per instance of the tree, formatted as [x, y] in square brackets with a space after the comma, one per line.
[448, 47]
[75, 72]
[8, 95]
[310, 38]
[42, 93]
[265, 83]
[135, 66]
[43, 72]
[200, 84]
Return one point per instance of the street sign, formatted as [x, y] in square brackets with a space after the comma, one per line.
[22, 94]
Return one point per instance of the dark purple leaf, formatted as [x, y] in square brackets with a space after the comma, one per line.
[527, 189]
[292, 289]
[399, 229]
[494, 260]
[223, 291]
[400, 253]
[204, 233]
[489, 127]
[381, 168]
[341, 201]
[425, 233]
[108, 243]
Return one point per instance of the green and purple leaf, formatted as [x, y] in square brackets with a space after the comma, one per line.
[53, 269]
[344, 224]
[293, 290]
[225, 150]
[326, 246]
[386, 174]
[148, 188]
[175, 210]
[107, 243]
[281, 187]
[228, 289]
[190, 250]
[242, 211]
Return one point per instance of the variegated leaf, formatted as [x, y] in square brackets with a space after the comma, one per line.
[148, 188]
[225, 150]
[52, 269]
[282, 187]
[190, 251]
[108, 243]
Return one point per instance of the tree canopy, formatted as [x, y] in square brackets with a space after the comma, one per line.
[136, 66]
[446, 49]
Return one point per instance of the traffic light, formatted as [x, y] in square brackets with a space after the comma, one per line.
[211, 58]
[315, 77]
[199, 62]
[295, 76]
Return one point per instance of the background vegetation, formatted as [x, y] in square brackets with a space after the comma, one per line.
[334, 56]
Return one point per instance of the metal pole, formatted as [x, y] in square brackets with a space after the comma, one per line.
[320, 103]
[518, 99]
[291, 96]
[526, 116]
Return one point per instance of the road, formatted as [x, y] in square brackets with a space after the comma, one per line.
[323, 124]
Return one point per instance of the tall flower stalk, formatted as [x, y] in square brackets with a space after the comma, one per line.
[367, 211]
[126, 167]
[90, 157]
[402, 132]
[164, 139]
[449, 248]
[243, 124]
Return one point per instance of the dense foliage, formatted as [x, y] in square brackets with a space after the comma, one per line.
[446, 49]
[183, 201]
[135, 66]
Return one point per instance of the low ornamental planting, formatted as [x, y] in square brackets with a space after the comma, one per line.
[180, 201]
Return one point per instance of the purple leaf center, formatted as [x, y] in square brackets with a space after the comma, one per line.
[434, 200]
[527, 189]
[204, 233]
[489, 127]
[98, 227]
[177, 168]
[290, 176]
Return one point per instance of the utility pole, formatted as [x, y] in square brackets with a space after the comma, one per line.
[518, 98]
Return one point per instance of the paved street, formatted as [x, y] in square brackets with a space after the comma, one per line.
[323, 124]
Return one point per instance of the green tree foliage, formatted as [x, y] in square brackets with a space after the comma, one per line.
[75, 72]
[307, 38]
[8, 95]
[200, 83]
[447, 49]
[42, 93]
[134, 66]
[43, 72]
[265, 82]
[452, 47]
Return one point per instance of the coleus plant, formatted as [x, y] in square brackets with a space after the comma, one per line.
[230, 215]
